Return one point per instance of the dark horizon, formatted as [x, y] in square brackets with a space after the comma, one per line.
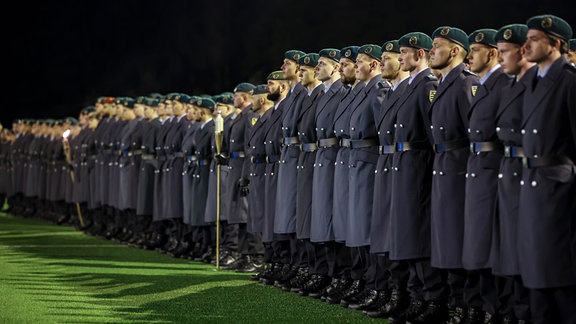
[62, 56]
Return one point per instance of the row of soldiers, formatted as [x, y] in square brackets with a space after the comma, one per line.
[427, 180]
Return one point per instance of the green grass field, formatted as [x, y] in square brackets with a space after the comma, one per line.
[56, 274]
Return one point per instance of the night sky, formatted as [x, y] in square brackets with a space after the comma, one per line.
[60, 56]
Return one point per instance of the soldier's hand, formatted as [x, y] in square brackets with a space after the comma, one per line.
[221, 159]
[243, 185]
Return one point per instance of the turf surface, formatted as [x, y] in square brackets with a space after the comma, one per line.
[56, 274]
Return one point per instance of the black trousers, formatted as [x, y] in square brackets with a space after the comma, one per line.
[553, 305]
[360, 262]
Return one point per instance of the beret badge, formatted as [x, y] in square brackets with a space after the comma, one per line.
[546, 22]
[507, 34]
[367, 50]
[479, 37]
[444, 31]
[389, 46]
[348, 53]
[413, 41]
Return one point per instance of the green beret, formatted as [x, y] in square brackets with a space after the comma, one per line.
[228, 94]
[416, 40]
[207, 103]
[88, 109]
[391, 46]
[349, 52]
[223, 99]
[128, 102]
[260, 89]
[453, 34]
[572, 44]
[484, 36]
[183, 98]
[374, 51]
[276, 75]
[245, 87]
[153, 102]
[551, 25]
[513, 33]
[140, 99]
[155, 95]
[294, 55]
[330, 53]
[71, 120]
[310, 59]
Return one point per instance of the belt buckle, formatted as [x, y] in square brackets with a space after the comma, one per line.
[472, 148]
[267, 159]
[399, 146]
[507, 151]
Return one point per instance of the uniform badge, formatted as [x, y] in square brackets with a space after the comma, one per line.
[507, 34]
[389, 47]
[332, 54]
[444, 31]
[546, 22]
[348, 53]
[474, 88]
[253, 120]
[296, 57]
[431, 95]
[199, 102]
[413, 41]
[479, 37]
[367, 50]
[307, 60]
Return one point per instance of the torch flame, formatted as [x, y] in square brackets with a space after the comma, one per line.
[66, 134]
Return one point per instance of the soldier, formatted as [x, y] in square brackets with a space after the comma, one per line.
[306, 124]
[362, 164]
[513, 295]
[481, 177]
[385, 120]
[341, 261]
[449, 125]
[547, 257]
[327, 71]
[277, 87]
[199, 188]
[285, 214]
[229, 232]
[250, 246]
[144, 206]
[256, 156]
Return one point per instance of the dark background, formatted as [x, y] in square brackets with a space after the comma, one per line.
[60, 56]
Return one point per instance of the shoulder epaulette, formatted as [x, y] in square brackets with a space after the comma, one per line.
[431, 77]
[468, 72]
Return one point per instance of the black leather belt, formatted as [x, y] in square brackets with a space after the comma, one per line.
[363, 143]
[147, 156]
[477, 147]
[386, 149]
[290, 140]
[543, 161]
[272, 158]
[451, 145]
[408, 146]
[309, 147]
[513, 151]
[237, 155]
[345, 142]
[328, 142]
[179, 155]
[258, 159]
